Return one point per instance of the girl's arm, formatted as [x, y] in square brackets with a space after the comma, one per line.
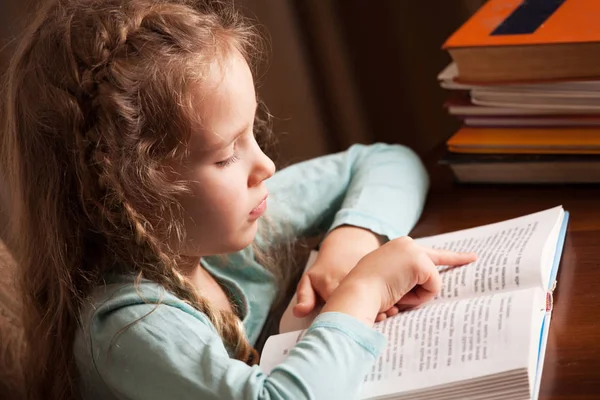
[363, 197]
[379, 187]
[172, 351]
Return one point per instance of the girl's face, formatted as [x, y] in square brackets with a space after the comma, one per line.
[226, 168]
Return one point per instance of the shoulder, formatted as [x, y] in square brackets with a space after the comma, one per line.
[141, 333]
[146, 312]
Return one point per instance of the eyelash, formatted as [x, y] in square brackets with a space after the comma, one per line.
[229, 161]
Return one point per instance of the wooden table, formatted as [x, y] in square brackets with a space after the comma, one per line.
[572, 364]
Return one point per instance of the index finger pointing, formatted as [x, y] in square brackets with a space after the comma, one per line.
[447, 257]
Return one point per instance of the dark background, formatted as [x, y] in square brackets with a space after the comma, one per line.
[342, 72]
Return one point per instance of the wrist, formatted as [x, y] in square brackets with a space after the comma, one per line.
[346, 245]
[354, 234]
[357, 298]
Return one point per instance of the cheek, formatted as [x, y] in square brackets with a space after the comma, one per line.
[217, 211]
[216, 203]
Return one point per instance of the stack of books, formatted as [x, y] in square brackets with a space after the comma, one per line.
[525, 83]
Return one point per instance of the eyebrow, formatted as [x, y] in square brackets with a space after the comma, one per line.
[236, 136]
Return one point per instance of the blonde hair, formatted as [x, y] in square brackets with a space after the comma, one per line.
[96, 103]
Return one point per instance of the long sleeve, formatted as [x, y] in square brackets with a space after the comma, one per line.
[134, 349]
[379, 187]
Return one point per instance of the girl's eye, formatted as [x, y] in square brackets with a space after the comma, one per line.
[228, 161]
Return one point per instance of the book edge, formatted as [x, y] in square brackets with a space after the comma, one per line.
[558, 251]
[548, 316]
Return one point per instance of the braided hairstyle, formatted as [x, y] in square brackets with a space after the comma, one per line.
[96, 104]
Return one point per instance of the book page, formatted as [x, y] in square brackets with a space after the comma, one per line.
[446, 342]
[510, 255]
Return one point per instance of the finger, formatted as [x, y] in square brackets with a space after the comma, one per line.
[446, 257]
[392, 311]
[306, 297]
[327, 288]
[404, 307]
[380, 317]
[429, 282]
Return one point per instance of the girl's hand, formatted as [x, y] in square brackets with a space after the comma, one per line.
[418, 279]
[400, 272]
[339, 253]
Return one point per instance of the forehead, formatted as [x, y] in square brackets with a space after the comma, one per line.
[225, 102]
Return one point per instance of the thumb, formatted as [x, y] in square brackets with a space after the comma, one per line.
[306, 298]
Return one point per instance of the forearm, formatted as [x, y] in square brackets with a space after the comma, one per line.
[339, 253]
[379, 187]
[346, 245]
[386, 193]
[356, 299]
[330, 362]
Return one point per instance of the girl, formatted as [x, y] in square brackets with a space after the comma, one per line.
[133, 165]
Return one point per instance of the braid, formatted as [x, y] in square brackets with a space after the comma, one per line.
[226, 323]
[162, 268]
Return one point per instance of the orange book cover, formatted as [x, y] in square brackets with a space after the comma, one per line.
[529, 22]
[526, 140]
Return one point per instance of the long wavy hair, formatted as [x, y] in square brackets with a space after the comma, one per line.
[96, 102]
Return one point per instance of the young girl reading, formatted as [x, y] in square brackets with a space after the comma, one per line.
[137, 186]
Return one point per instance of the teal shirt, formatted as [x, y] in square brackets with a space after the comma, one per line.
[144, 343]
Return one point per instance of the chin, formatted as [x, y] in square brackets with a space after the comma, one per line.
[248, 237]
[223, 242]
[242, 239]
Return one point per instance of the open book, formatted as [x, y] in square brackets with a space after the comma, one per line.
[484, 336]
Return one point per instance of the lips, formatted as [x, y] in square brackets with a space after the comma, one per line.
[260, 209]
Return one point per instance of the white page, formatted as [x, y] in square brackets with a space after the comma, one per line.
[455, 340]
[444, 342]
[509, 254]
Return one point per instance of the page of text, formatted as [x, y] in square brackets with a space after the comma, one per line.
[449, 341]
[509, 255]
